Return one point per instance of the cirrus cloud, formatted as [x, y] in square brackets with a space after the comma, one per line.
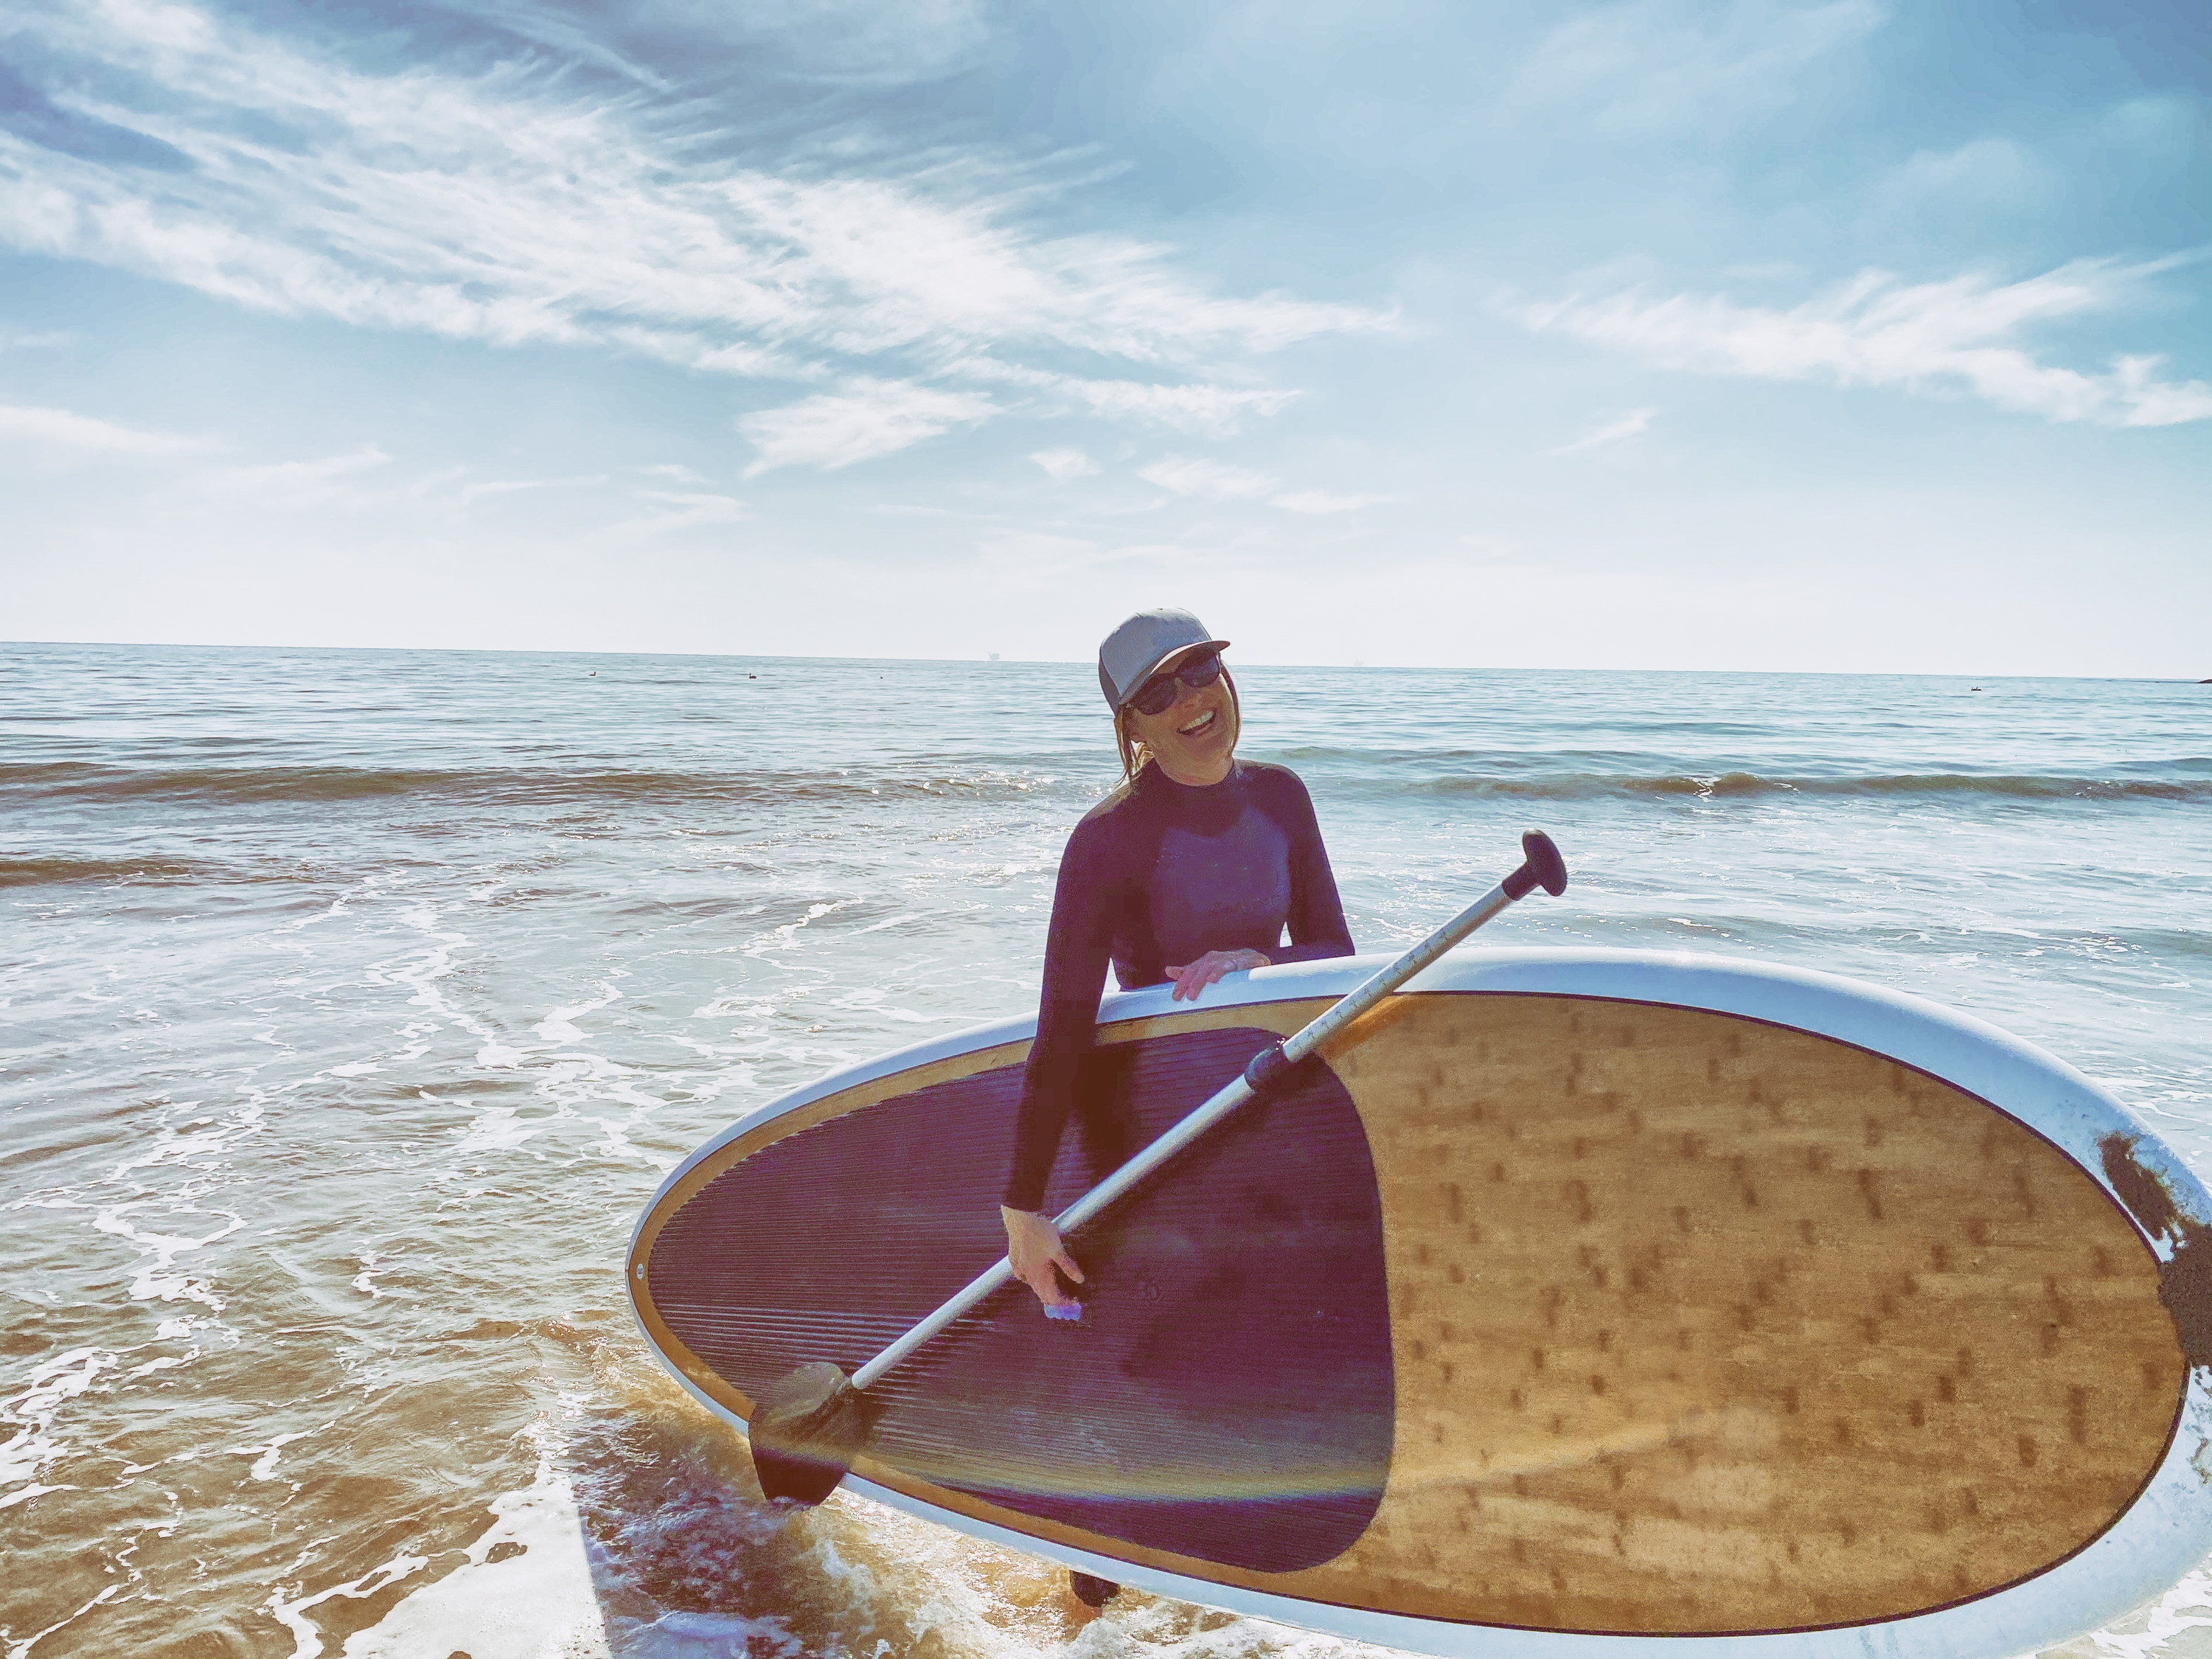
[1635, 422]
[1874, 331]
[508, 204]
[1062, 464]
[868, 418]
[1217, 481]
[61, 428]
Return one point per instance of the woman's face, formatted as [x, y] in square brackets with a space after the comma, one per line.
[1194, 737]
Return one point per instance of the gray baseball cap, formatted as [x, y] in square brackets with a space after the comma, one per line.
[1132, 652]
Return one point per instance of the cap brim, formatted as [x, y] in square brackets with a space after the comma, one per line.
[1165, 657]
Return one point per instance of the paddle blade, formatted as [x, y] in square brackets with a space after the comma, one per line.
[806, 1428]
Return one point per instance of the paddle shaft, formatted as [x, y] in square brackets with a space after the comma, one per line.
[1309, 1038]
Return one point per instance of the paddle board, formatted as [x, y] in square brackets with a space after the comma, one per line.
[1584, 1300]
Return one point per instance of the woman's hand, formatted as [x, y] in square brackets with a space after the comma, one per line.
[1193, 977]
[1033, 1247]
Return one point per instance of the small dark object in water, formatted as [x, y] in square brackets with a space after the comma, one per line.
[1092, 1592]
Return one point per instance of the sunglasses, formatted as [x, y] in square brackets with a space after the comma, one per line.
[1159, 693]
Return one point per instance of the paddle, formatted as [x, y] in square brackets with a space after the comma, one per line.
[808, 1425]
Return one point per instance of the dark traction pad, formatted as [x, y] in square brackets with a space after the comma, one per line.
[1228, 1393]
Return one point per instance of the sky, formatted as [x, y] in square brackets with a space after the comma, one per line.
[1845, 336]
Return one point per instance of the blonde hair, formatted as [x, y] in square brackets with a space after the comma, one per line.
[1135, 758]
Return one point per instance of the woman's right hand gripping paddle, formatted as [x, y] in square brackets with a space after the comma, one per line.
[1035, 1251]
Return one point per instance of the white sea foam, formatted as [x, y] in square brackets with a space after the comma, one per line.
[559, 1028]
[2166, 1629]
[51, 1384]
[524, 1591]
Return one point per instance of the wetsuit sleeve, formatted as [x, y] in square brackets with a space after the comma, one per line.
[1076, 948]
[1317, 920]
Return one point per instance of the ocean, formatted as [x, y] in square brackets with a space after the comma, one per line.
[353, 1003]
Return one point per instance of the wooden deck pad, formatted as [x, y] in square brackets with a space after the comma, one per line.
[1706, 1325]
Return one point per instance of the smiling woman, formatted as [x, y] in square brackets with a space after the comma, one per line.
[1195, 867]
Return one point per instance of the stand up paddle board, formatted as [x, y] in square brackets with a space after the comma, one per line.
[1585, 1300]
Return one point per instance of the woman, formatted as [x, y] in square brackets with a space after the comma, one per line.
[1191, 869]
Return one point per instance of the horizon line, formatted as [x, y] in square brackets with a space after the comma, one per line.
[1081, 662]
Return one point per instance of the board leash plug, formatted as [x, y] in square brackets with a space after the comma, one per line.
[808, 1425]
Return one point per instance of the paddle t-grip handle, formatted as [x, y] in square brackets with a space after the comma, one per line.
[1541, 866]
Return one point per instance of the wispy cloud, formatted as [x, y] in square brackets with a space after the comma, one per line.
[868, 418]
[1612, 432]
[516, 486]
[1876, 332]
[506, 204]
[849, 43]
[299, 486]
[1212, 481]
[1204, 409]
[1659, 66]
[1216, 411]
[43, 340]
[1313, 502]
[70, 431]
[676, 510]
[1215, 481]
[1062, 465]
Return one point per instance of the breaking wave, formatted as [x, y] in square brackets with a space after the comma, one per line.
[85, 783]
[37, 872]
[1585, 786]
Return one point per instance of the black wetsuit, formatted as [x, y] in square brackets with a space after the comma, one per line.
[1161, 872]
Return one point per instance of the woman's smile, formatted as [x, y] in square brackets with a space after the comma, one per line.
[1193, 739]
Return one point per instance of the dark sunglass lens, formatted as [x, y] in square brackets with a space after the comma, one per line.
[1158, 697]
[1159, 693]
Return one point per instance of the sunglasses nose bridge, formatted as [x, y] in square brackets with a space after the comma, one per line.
[1174, 686]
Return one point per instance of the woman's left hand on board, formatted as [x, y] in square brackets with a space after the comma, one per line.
[1193, 977]
[1034, 1250]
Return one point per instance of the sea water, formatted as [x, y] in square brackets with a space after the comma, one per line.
[355, 1001]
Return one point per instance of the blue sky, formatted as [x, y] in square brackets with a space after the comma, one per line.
[1841, 335]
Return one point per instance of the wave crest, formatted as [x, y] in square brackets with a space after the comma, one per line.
[81, 781]
[959, 779]
[1586, 786]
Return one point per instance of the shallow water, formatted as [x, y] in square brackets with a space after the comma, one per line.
[354, 1002]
